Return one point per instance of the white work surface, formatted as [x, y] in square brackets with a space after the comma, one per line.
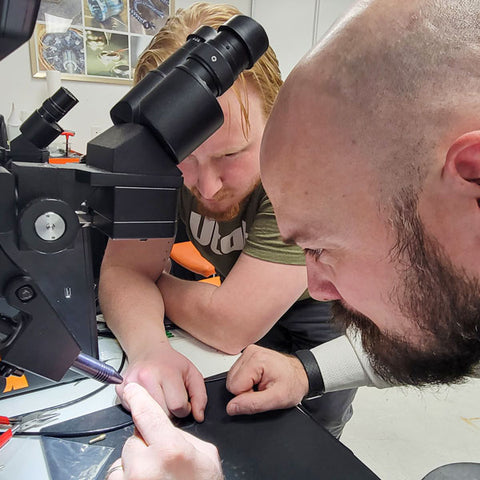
[22, 457]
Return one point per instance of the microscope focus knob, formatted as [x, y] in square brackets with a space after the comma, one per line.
[50, 226]
[47, 225]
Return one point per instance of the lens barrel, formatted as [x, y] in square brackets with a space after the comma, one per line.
[177, 101]
[41, 126]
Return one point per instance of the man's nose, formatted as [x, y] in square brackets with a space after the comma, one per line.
[209, 183]
[320, 285]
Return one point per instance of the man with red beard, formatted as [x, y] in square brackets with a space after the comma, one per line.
[229, 218]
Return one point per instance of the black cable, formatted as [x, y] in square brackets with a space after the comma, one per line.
[80, 399]
[84, 433]
[73, 402]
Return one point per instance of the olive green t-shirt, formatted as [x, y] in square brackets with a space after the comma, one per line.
[253, 231]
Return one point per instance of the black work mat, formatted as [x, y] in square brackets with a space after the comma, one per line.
[277, 445]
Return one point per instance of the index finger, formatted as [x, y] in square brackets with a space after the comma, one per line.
[149, 418]
[245, 373]
[198, 394]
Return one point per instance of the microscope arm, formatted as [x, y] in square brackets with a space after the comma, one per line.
[42, 205]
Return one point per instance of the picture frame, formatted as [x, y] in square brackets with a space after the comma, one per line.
[95, 40]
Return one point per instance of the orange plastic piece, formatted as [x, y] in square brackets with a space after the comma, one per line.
[15, 383]
[63, 160]
[186, 255]
[212, 280]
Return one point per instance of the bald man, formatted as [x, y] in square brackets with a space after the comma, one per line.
[382, 119]
[384, 199]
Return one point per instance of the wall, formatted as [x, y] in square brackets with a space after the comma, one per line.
[292, 31]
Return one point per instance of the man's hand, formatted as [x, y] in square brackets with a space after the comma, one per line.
[158, 449]
[280, 379]
[171, 379]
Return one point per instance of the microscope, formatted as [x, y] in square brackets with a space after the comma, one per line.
[127, 187]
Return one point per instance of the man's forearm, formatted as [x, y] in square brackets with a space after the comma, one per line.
[191, 306]
[241, 310]
[133, 309]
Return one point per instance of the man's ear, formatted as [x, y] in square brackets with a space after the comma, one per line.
[463, 157]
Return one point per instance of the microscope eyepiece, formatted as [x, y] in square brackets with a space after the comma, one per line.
[239, 43]
[41, 126]
[58, 105]
[176, 101]
[250, 33]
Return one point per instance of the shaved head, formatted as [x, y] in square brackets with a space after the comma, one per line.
[397, 77]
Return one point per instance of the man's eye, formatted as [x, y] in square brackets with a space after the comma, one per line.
[314, 253]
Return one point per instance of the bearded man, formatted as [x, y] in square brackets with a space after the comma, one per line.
[229, 218]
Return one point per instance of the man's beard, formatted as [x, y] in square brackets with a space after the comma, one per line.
[228, 213]
[438, 299]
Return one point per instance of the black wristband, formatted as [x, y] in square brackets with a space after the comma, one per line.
[316, 387]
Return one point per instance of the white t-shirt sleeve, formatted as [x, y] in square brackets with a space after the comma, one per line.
[344, 364]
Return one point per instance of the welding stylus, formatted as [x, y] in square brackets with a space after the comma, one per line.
[96, 369]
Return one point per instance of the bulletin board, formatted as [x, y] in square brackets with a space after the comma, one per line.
[95, 40]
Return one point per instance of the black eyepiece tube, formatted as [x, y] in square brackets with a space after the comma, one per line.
[41, 126]
[180, 109]
[250, 33]
[127, 110]
[239, 43]
[58, 105]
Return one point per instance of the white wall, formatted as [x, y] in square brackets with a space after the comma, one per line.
[291, 26]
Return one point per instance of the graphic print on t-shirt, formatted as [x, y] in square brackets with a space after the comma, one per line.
[206, 232]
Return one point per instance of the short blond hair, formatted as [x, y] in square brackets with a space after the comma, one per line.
[264, 76]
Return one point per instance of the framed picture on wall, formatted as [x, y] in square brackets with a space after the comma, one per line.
[95, 40]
